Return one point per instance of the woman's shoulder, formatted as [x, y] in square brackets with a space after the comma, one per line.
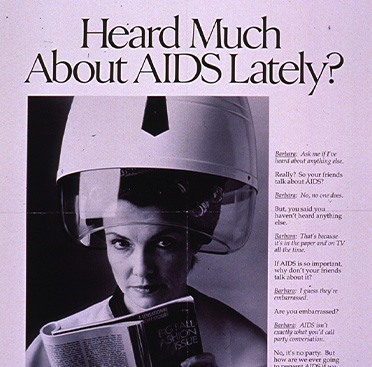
[221, 313]
[223, 327]
[98, 312]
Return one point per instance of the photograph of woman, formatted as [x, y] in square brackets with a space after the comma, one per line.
[153, 182]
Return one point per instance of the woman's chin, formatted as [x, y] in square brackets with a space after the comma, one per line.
[141, 298]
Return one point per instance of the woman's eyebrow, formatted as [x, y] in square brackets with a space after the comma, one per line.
[167, 231]
[117, 235]
[161, 233]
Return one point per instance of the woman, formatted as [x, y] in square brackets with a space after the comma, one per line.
[174, 176]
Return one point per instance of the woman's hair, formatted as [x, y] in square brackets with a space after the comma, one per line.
[197, 195]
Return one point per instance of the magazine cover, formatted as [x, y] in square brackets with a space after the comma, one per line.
[208, 149]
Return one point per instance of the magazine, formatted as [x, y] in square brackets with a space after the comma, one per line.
[117, 345]
[161, 336]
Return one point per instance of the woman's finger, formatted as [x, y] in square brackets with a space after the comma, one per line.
[200, 360]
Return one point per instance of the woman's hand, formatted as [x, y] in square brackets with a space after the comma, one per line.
[200, 360]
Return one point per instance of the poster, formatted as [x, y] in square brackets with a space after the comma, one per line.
[304, 67]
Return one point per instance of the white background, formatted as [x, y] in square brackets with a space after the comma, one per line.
[335, 117]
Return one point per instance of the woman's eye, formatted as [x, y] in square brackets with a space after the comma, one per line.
[167, 243]
[120, 243]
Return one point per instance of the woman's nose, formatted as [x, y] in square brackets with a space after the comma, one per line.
[142, 264]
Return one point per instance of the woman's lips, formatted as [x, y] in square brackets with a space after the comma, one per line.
[146, 289]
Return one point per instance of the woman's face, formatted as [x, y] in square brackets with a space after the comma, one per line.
[150, 262]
